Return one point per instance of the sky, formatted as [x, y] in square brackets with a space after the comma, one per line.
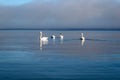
[59, 14]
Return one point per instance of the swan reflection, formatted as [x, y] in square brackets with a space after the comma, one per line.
[61, 41]
[43, 43]
[53, 41]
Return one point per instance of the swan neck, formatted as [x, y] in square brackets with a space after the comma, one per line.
[40, 34]
[82, 34]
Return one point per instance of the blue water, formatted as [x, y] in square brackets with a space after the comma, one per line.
[24, 57]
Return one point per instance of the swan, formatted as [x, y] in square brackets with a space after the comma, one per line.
[53, 36]
[61, 36]
[82, 37]
[43, 38]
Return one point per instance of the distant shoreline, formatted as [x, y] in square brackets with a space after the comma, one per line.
[66, 29]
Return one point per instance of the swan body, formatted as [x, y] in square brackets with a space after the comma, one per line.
[82, 37]
[43, 38]
[61, 36]
[82, 42]
[53, 36]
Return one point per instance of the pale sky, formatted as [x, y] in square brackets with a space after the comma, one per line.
[59, 14]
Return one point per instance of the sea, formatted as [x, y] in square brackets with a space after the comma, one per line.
[24, 57]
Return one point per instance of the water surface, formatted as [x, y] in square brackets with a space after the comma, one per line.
[24, 57]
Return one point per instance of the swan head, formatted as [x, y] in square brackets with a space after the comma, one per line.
[60, 33]
[40, 34]
[53, 36]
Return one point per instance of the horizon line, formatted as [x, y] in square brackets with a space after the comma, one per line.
[118, 29]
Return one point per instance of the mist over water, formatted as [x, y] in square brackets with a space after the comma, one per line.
[24, 57]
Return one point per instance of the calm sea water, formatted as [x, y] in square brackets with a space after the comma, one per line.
[24, 57]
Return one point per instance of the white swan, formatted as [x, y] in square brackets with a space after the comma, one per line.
[82, 37]
[43, 38]
[53, 36]
[61, 36]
